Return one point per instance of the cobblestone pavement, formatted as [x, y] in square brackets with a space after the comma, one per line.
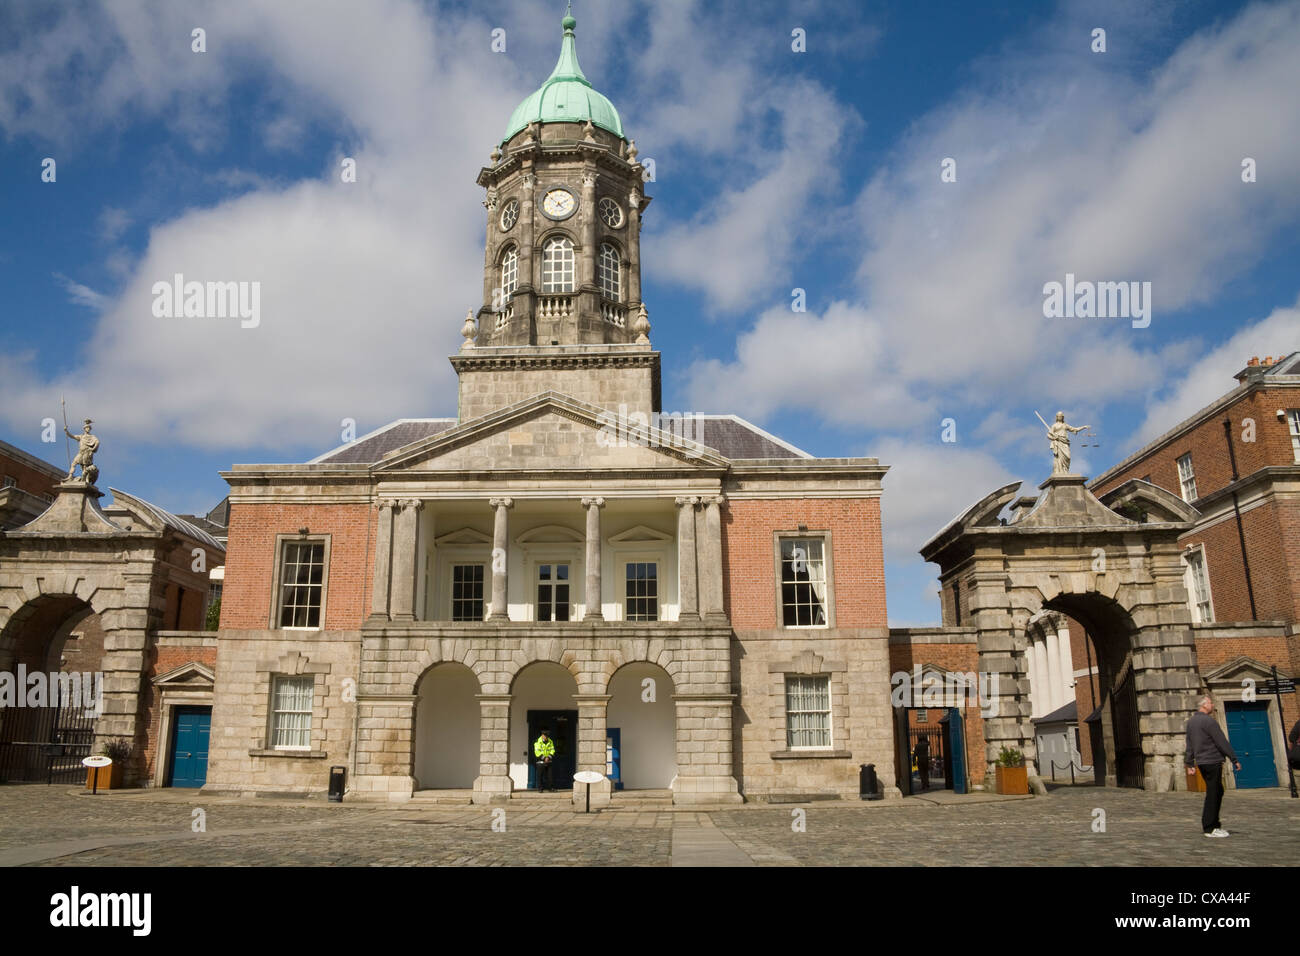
[62, 826]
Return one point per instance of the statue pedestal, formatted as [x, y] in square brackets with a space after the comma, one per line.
[75, 510]
[1069, 478]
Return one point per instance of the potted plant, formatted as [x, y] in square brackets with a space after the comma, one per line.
[1012, 776]
[110, 777]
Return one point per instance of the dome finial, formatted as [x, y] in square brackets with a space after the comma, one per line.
[568, 22]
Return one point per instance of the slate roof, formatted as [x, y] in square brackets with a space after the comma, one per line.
[368, 449]
[729, 435]
[165, 517]
[1068, 713]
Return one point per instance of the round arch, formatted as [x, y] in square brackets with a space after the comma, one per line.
[447, 727]
[542, 697]
[642, 718]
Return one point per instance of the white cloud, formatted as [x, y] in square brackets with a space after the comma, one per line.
[1063, 166]
[1209, 377]
[81, 294]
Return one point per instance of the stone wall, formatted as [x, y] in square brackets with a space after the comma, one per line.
[241, 757]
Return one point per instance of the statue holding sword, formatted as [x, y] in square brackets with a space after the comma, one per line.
[1058, 436]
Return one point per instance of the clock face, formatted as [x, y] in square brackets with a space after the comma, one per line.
[559, 204]
[610, 213]
[509, 215]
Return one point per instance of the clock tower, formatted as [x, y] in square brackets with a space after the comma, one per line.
[562, 262]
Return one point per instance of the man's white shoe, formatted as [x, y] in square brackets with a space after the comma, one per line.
[1217, 833]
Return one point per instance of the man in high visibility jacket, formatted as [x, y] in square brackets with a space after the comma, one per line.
[544, 754]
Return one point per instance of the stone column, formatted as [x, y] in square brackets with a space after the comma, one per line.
[710, 568]
[1067, 663]
[593, 559]
[1035, 680]
[704, 750]
[383, 559]
[587, 262]
[1053, 665]
[385, 747]
[406, 535]
[493, 783]
[500, 555]
[530, 265]
[686, 568]
[1040, 677]
[592, 712]
[633, 252]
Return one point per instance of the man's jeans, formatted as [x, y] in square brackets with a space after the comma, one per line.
[1213, 774]
[544, 781]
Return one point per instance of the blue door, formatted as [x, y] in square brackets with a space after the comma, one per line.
[192, 726]
[1248, 732]
[956, 748]
[614, 756]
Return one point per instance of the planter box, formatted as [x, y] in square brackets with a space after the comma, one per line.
[1013, 780]
[110, 777]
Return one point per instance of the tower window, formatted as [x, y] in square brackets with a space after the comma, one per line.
[557, 266]
[607, 272]
[509, 272]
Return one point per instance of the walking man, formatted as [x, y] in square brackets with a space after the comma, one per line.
[1206, 749]
[923, 761]
[544, 754]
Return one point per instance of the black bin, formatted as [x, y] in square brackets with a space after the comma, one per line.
[868, 785]
[338, 775]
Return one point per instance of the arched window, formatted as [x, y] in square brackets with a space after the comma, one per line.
[557, 265]
[608, 273]
[509, 272]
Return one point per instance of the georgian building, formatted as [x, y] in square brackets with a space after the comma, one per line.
[685, 603]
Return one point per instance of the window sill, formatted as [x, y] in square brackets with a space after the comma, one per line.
[811, 754]
[300, 754]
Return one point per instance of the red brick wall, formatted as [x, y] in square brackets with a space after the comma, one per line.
[1271, 556]
[166, 659]
[1209, 449]
[29, 479]
[250, 561]
[963, 658]
[857, 557]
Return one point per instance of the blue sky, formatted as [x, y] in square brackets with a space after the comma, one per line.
[775, 170]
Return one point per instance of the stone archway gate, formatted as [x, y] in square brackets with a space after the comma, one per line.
[1068, 551]
[119, 565]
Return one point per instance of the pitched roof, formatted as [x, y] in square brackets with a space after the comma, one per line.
[733, 437]
[166, 518]
[729, 435]
[368, 449]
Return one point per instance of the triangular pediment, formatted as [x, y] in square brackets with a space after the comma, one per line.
[552, 432]
[1241, 668]
[463, 536]
[551, 534]
[190, 674]
[639, 534]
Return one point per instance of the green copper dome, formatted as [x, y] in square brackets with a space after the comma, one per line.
[566, 96]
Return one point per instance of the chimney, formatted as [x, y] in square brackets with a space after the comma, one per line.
[1254, 360]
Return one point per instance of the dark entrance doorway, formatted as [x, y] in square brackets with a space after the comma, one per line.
[1130, 762]
[189, 751]
[44, 744]
[562, 726]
